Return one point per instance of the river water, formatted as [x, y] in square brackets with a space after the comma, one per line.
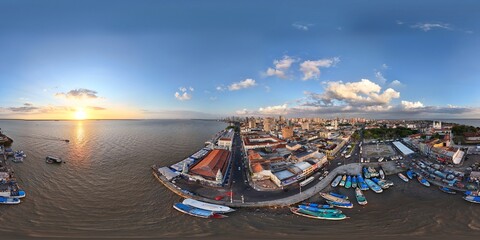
[106, 190]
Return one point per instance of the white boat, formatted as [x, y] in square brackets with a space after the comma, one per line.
[334, 198]
[12, 194]
[401, 176]
[207, 206]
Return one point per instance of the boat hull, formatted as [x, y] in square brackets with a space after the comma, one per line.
[207, 206]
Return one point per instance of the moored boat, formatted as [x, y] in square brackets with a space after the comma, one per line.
[317, 205]
[410, 174]
[338, 195]
[348, 184]
[381, 183]
[363, 186]
[382, 173]
[333, 198]
[322, 210]
[342, 182]
[354, 182]
[360, 197]
[196, 212]
[472, 199]
[401, 176]
[447, 190]
[317, 215]
[473, 193]
[423, 181]
[336, 181]
[9, 201]
[207, 206]
[373, 186]
[340, 204]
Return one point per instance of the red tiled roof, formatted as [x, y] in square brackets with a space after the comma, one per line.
[209, 166]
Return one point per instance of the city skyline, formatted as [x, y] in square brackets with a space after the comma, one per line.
[211, 59]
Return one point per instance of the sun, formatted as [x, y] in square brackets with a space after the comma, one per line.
[80, 114]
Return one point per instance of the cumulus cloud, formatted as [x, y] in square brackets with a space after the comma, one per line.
[430, 26]
[396, 83]
[242, 112]
[79, 93]
[412, 105]
[311, 69]
[247, 83]
[363, 92]
[301, 26]
[276, 110]
[281, 67]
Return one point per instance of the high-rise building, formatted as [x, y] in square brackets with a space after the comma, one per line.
[267, 124]
[306, 126]
[287, 132]
[252, 123]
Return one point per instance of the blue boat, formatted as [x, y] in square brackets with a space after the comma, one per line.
[9, 201]
[423, 181]
[363, 185]
[196, 212]
[380, 183]
[472, 199]
[340, 204]
[354, 182]
[336, 181]
[322, 210]
[318, 215]
[373, 186]
[472, 193]
[348, 184]
[410, 174]
[338, 195]
[447, 190]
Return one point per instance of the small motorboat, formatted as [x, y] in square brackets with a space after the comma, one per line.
[196, 212]
[51, 159]
[322, 210]
[336, 181]
[447, 190]
[338, 195]
[333, 198]
[382, 183]
[410, 174]
[317, 215]
[360, 197]
[373, 186]
[472, 199]
[9, 201]
[401, 176]
[207, 206]
[354, 182]
[382, 173]
[342, 182]
[340, 204]
[361, 183]
[366, 173]
[348, 184]
[423, 181]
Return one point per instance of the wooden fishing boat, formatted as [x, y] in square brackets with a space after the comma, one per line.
[401, 176]
[360, 197]
[207, 206]
[196, 212]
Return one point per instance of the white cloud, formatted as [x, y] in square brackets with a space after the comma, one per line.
[399, 22]
[183, 97]
[220, 88]
[311, 69]
[182, 89]
[191, 89]
[363, 92]
[279, 109]
[430, 26]
[80, 93]
[385, 66]
[412, 105]
[281, 66]
[300, 26]
[247, 83]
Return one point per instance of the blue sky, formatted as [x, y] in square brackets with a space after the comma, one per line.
[142, 59]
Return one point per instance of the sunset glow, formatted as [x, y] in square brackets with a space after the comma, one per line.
[80, 114]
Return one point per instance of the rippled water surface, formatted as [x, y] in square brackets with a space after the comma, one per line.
[106, 189]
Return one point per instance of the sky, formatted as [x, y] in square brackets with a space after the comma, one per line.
[210, 59]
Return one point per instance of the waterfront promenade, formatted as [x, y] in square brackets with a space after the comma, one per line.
[350, 169]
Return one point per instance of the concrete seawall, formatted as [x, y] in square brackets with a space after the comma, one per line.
[350, 169]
